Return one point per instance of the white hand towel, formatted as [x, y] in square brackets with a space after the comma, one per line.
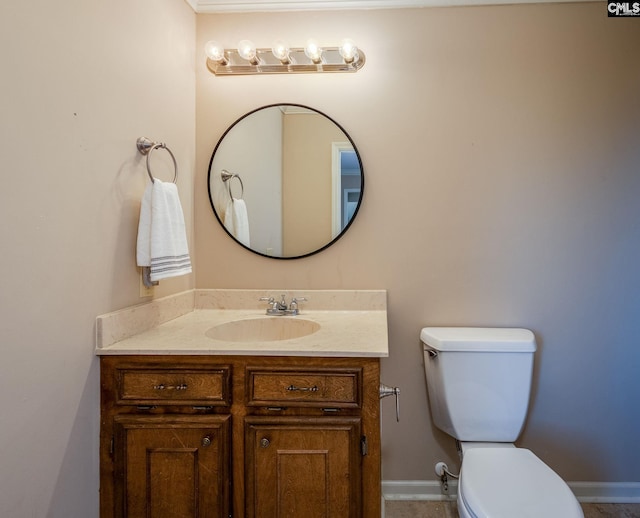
[143, 248]
[162, 238]
[229, 222]
[236, 221]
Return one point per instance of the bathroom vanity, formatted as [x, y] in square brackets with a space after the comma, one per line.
[213, 428]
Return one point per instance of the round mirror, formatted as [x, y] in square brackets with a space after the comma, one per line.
[285, 181]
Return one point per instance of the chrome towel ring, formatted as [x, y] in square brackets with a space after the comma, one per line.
[227, 177]
[147, 146]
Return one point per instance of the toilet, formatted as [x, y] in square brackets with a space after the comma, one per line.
[479, 382]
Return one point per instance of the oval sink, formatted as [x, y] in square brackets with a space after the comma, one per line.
[263, 329]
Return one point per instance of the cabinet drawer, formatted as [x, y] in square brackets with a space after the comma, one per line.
[339, 388]
[173, 386]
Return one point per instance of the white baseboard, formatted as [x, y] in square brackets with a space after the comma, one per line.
[417, 490]
[607, 492]
[602, 492]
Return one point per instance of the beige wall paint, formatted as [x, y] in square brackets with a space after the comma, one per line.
[502, 185]
[81, 81]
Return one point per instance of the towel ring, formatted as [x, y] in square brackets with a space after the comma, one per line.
[227, 177]
[146, 147]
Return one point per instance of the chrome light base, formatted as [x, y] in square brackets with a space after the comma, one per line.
[298, 62]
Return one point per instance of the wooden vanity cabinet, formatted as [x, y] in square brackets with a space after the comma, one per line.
[239, 436]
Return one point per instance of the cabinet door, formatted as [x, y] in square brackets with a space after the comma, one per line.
[303, 467]
[172, 466]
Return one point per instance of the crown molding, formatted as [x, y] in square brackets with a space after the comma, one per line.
[246, 6]
[193, 4]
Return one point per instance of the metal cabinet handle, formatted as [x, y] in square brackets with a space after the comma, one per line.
[264, 442]
[293, 388]
[206, 441]
[391, 391]
[162, 386]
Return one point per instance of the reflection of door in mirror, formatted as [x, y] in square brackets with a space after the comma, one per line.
[350, 199]
[346, 185]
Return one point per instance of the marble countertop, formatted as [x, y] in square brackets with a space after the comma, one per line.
[179, 325]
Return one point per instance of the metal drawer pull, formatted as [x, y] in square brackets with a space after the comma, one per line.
[293, 388]
[264, 442]
[206, 441]
[170, 387]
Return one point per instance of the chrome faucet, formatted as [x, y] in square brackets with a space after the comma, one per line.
[280, 307]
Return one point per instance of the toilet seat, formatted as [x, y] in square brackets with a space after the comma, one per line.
[512, 482]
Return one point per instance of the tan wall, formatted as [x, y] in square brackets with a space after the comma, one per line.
[501, 188]
[81, 81]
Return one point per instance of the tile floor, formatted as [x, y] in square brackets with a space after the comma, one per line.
[421, 509]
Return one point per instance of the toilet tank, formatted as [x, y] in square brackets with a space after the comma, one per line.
[479, 380]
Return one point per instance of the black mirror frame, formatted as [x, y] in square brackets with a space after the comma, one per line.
[347, 226]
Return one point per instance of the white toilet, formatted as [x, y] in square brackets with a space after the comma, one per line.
[479, 382]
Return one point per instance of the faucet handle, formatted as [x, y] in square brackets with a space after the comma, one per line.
[269, 300]
[294, 303]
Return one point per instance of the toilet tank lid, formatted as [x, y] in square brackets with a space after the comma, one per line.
[478, 339]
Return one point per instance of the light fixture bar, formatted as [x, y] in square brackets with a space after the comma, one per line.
[266, 63]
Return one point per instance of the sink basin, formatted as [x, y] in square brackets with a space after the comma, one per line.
[267, 329]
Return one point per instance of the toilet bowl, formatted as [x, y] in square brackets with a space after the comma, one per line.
[479, 383]
[499, 482]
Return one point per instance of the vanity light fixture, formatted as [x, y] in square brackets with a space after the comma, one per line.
[280, 58]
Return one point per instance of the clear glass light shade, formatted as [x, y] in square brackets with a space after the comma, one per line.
[214, 51]
[348, 50]
[247, 50]
[280, 51]
[313, 51]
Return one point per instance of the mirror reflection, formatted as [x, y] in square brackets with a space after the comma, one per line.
[285, 181]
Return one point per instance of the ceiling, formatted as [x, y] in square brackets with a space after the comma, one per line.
[239, 6]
